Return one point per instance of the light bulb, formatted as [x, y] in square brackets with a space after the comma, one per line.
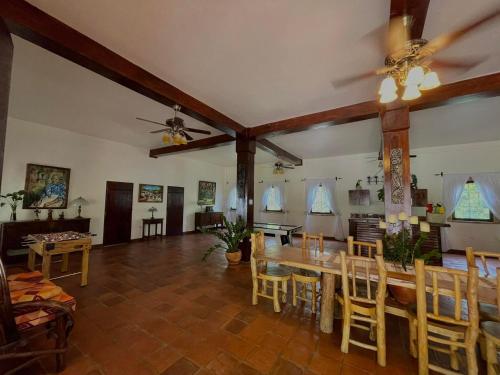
[177, 138]
[387, 98]
[184, 140]
[431, 81]
[166, 139]
[388, 86]
[415, 76]
[411, 92]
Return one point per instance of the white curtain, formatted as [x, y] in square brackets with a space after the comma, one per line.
[231, 215]
[267, 190]
[489, 188]
[453, 187]
[311, 190]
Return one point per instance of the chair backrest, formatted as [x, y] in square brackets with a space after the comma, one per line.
[258, 245]
[8, 328]
[357, 272]
[446, 282]
[316, 239]
[486, 258]
[362, 248]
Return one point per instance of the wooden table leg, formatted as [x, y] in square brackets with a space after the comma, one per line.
[31, 260]
[65, 261]
[327, 302]
[85, 266]
[46, 265]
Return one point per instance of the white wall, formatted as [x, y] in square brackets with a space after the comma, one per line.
[474, 157]
[93, 161]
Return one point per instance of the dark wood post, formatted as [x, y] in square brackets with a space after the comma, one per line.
[245, 150]
[6, 53]
[397, 177]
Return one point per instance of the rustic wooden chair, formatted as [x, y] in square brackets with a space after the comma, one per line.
[277, 275]
[306, 277]
[451, 328]
[491, 331]
[15, 337]
[367, 306]
[362, 248]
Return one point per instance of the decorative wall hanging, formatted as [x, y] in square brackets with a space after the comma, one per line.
[206, 193]
[397, 192]
[46, 187]
[150, 193]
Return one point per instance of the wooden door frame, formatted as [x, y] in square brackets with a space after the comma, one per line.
[106, 212]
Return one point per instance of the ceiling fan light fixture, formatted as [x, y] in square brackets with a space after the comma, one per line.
[177, 139]
[431, 81]
[166, 139]
[388, 86]
[411, 92]
[387, 98]
[415, 76]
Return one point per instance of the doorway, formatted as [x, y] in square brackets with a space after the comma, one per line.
[175, 210]
[118, 212]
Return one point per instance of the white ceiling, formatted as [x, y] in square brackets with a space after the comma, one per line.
[262, 61]
[254, 63]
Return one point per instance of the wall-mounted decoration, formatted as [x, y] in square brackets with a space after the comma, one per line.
[397, 192]
[150, 193]
[46, 187]
[241, 181]
[206, 193]
[359, 197]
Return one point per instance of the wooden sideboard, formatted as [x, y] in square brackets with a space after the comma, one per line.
[366, 229]
[12, 233]
[208, 219]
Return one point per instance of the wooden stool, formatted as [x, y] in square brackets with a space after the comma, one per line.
[491, 331]
[368, 308]
[306, 277]
[277, 275]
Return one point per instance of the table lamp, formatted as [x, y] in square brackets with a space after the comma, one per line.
[79, 202]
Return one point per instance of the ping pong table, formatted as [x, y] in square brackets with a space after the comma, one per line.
[282, 232]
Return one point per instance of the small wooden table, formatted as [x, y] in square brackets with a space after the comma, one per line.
[146, 223]
[328, 263]
[64, 243]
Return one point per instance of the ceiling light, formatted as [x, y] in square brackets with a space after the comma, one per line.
[388, 86]
[387, 98]
[411, 92]
[177, 139]
[415, 76]
[431, 81]
[166, 139]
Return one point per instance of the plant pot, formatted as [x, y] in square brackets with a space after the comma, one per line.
[404, 296]
[234, 257]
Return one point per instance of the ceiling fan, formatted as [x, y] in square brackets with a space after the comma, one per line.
[409, 61]
[279, 167]
[174, 129]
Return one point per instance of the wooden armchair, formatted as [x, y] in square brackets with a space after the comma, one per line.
[53, 318]
[362, 248]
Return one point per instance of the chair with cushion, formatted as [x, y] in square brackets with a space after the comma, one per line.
[307, 278]
[278, 276]
[30, 306]
[446, 316]
[365, 305]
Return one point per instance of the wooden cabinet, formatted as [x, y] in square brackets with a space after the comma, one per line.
[207, 219]
[12, 233]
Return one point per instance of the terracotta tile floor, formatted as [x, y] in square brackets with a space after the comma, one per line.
[155, 308]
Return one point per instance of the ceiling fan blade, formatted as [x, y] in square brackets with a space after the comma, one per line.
[359, 77]
[153, 122]
[398, 34]
[445, 40]
[456, 64]
[188, 137]
[197, 131]
[158, 131]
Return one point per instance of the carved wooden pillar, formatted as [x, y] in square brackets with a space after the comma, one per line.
[245, 150]
[6, 53]
[397, 177]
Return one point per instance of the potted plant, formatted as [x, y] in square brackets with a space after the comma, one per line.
[401, 249]
[231, 237]
[12, 199]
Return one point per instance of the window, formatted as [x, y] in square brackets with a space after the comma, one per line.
[471, 206]
[321, 201]
[232, 199]
[273, 199]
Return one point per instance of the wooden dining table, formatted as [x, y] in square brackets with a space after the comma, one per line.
[328, 263]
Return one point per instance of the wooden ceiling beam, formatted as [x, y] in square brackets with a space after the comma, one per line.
[277, 151]
[36, 26]
[200, 144]
[417, 9]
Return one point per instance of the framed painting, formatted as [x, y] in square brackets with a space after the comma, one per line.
[46, 187]
[150, 193]
[206, 193]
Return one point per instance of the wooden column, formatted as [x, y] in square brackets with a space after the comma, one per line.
[397, 177]
[245, 150]
[6, 53]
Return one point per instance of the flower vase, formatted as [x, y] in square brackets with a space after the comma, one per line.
[13, 216]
